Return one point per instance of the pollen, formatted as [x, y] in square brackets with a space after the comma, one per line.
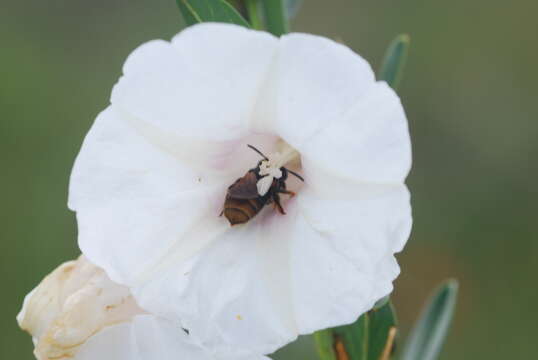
[239, 317]
[271, 168]
[268, 167]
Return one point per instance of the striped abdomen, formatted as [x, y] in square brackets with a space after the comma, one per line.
[239, 211]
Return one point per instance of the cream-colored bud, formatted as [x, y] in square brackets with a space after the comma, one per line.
[70, 305]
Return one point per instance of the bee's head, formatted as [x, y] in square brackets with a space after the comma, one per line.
[272, 164]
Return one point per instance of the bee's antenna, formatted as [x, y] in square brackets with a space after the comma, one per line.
[297, 175]
[258, 151]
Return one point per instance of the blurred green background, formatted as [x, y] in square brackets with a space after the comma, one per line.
[470, 93]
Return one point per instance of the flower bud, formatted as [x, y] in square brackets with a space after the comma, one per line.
[74, 302]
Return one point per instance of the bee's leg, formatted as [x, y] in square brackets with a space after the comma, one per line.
[287, 192]
[278, 206]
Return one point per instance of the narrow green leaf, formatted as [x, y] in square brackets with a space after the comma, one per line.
[197, 11]
[275, 17]
[394, 61]
[354, 339]
[348, 342]
[382, 332]
[429, 333]
[325, 344]
[292, 7]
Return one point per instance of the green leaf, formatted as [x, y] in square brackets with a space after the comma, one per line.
[368, 338]
[275, 17]
[325, 344]
[348, 342]
[292, 7]
[429, 333]
[353, 339]
[394, 61]
[382, 332]
[197, 11]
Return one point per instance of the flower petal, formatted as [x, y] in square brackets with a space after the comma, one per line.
[193, 97]
[235, 295]
[111, 343]
[369, 143]
[314, 82]
[147, 338]
[133, 201]
[204, 84]
[322, 264]
[354, 237]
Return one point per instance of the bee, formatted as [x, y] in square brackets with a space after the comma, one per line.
[260, 186]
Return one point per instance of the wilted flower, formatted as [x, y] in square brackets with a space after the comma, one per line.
[153, 173]
[77, 312]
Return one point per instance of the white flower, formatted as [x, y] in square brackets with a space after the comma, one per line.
[77, 312]
[153, 173]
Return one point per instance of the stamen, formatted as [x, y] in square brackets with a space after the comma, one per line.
[270, 168]
[279, 159]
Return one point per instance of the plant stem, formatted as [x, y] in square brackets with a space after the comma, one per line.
[253, 13]
[275, 17]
